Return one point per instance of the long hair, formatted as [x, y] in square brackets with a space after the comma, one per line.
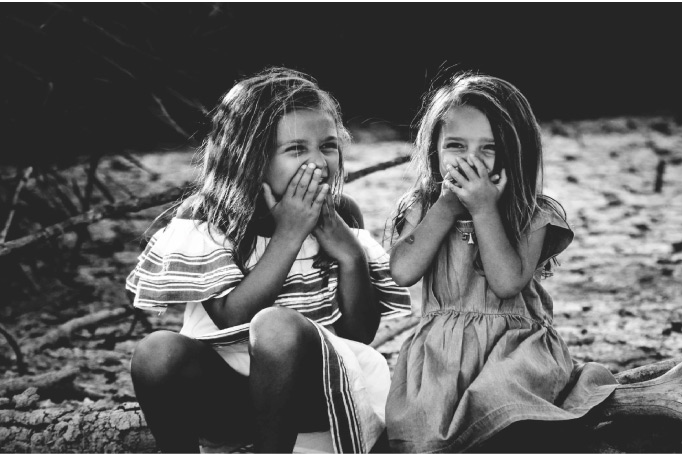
[239, 147]
[518, 149]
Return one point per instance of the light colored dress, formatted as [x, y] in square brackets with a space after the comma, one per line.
[476, 363]
[184, 263]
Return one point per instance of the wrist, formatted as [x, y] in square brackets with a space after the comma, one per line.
[291, 237]
[352, 259]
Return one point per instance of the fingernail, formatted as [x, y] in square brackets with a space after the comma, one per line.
[317, 171]
[311, 165]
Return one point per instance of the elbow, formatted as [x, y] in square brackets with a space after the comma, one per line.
[505, 292]
[403, 277]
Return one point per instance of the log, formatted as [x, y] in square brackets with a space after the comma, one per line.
[17, 385]
[65, 330]
[87, 428]
[81, 429]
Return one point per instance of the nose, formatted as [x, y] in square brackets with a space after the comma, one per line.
[320, 162]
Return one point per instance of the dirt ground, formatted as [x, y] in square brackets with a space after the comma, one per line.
[618, 293]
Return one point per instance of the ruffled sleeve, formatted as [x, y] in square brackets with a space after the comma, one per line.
[183, 263]
[394, 300]
[559, 234]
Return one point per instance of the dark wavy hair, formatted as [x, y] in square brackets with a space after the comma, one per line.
[518, 149]
[238, 149]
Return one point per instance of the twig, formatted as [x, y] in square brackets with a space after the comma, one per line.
[16, 385]
[65, 330]
[168, 119]
[138, 163]
[352, 176]
[105, 211]
[104, 190]
[21, 365]
[15, 199]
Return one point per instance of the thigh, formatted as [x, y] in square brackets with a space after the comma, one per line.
[221, 400]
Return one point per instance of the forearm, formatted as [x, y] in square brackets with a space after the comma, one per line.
[357, 301]
[503, 266]
[260, 288]
[413, 253]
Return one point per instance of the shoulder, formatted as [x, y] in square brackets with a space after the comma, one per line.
[350, 212]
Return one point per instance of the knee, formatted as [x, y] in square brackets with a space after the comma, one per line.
[277, 332]
[157, 357]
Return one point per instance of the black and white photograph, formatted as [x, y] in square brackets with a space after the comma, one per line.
[341, 227]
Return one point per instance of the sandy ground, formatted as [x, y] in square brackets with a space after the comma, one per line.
[618, 293]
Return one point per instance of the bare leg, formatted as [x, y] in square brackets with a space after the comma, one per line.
[285, 379]
[186, 390]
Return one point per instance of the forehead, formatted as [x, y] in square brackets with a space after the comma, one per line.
[303, 122]
[466, 120]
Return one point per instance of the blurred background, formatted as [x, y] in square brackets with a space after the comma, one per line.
[84, 77]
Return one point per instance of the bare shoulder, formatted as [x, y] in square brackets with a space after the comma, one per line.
[349, 210]
[184, 211]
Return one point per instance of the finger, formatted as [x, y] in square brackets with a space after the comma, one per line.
[455, 175]
[330, 212]
[321, 196]
[452, 188]
[304, 182]
[465, 167]
[312, 187]
[480, 166]
[295, 180]
[267, 195]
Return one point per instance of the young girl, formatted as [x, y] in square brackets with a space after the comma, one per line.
[479, 231]
[281, 295]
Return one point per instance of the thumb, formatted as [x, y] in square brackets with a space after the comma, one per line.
[267, 195]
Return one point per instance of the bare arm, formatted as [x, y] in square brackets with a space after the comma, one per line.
[295, 217]
[508, 270]
[417, 246]
[356, 296]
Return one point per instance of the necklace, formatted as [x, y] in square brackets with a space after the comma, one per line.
[466, 228]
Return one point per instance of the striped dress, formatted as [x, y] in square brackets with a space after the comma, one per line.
[189, 262]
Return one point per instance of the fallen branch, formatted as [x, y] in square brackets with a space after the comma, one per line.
[135, 204]
[352, 176]
[65, 330]
[112, 210]
[17, 385]
[646, 372]
[81, 429]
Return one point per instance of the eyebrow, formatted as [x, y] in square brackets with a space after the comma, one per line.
[303, 141]
[464, 140]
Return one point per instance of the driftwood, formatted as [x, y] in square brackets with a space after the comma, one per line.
[123, 429]
[65, 330]
[43, 381]
[104, 211]
[81, 429]
[134, 204]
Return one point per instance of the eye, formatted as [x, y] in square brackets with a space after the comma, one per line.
[453, 146]
[296, 149]
[489, 149]
[330, 147]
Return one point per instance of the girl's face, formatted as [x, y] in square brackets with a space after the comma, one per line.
[465, 131]
[303, 136]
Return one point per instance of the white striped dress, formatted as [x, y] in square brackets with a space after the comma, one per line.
[185, 264]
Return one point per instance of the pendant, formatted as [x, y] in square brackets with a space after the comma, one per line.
[466, 228]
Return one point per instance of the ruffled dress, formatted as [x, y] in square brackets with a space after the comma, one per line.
[476, 363]
[185, 263]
